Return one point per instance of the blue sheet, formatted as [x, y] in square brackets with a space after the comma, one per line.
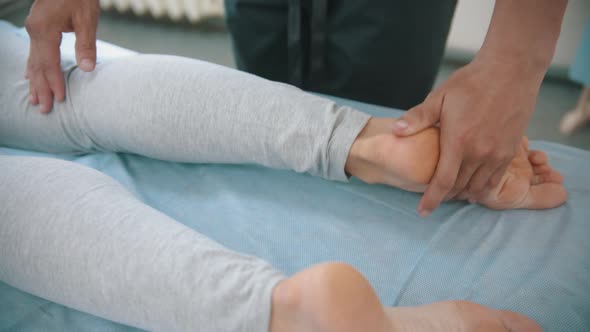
[534, 262]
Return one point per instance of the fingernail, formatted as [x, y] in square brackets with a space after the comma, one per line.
[86, 65]
[401, 124]
[44, 109]
[472, 200]
[31, 99]
[424, 213]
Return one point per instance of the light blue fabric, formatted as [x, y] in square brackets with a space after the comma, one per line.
[534, 262]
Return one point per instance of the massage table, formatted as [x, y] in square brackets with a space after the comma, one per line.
[533, 262]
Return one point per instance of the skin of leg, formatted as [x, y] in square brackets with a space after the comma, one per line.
[377, 156]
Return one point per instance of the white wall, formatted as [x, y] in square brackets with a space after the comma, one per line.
[472, 18]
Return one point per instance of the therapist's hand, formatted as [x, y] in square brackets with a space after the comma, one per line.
[46, 22]
[482, 110]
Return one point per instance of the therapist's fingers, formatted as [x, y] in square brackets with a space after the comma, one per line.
[43, 67]
[39, 89]
[444, 177]
[467, 169]
[43, 93]
[55, 79]
[463, 196]
[480, 183]
[85, 23]
[52, 65]
[420, 117]
[33, 98]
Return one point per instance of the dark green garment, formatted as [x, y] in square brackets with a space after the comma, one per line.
[379, 51]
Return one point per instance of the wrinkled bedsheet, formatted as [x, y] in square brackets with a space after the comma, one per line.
[533, 262]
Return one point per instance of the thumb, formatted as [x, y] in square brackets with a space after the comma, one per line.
[418, 118]
[86, 44]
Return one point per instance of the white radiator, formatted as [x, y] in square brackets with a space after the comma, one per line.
[177, 10]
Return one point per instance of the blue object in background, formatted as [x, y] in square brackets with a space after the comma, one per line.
[580, 69]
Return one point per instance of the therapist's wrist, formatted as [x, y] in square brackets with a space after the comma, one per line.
[523, 35]
[504, 62]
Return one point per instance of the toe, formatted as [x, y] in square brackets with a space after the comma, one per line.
[518, 323]
[553, 177]
[545, 195]
[537, 157]
[545, 173]
[542, 169]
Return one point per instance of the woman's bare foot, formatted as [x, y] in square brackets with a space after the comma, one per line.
[458, 316]
[529, 183]
[334, 297]
[378, 156]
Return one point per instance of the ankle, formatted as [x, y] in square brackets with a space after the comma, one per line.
[358, 158]
[368, 154]
[378, 156]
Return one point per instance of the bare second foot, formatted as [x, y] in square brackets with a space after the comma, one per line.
[378, 156]
[529, 183]
[458, 316]
[334, 297]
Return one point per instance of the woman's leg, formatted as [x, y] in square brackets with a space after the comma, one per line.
[178, 109]
[185, 110]
[73, 235]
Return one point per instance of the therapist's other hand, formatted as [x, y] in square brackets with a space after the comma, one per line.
[482, 110]
[46, 22]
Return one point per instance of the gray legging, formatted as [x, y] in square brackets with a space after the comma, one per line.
[75, 236]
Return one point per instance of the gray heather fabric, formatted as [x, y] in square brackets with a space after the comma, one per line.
[178, 109]
[74, 236]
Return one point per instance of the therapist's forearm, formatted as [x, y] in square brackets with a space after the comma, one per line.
[523, 34]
